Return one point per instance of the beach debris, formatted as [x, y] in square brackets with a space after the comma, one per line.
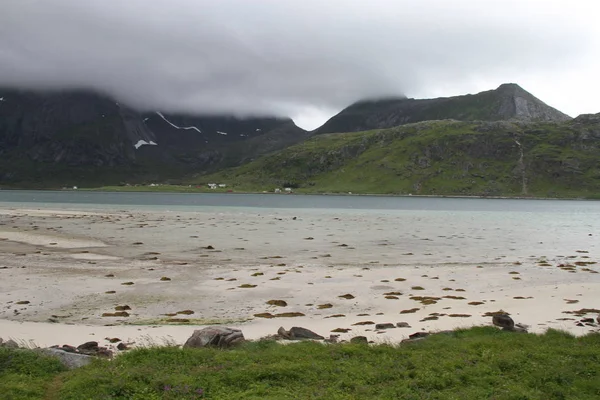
[364, 323]
[298, 333]
[324, 306]
[215, 336]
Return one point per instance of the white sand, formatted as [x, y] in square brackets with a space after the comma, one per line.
[307, 262]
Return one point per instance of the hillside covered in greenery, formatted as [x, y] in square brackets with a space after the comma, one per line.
[448, 157]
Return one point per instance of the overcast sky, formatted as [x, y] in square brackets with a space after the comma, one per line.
[302, 58]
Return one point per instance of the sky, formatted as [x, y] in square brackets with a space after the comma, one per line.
[306, 59]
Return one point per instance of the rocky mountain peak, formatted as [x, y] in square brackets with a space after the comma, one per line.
[508, 102]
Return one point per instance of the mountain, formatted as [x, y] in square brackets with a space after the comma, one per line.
[507, 102]
[447, 157]
[89, 137]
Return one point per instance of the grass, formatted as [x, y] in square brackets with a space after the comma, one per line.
[478, 363]
[433, 158]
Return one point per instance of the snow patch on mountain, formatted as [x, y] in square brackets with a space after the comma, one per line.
[222, 133]
[141, 143]
[177, 127]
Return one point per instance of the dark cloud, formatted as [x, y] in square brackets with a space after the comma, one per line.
[300, 58]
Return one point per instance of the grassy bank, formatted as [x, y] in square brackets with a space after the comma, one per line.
[479, 363]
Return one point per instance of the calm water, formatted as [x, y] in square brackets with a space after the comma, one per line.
[199, 201]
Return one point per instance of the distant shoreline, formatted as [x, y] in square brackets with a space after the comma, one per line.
[180, 189]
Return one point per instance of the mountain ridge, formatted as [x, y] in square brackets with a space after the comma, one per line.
[508, 101]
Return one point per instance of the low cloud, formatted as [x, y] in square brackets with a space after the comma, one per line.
[298, 58]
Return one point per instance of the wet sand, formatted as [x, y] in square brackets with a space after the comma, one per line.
[61, 270]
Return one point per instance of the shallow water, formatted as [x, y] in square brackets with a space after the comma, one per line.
[383, 229]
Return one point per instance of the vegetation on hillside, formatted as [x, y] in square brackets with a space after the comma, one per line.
[546, 159]
[478, 363]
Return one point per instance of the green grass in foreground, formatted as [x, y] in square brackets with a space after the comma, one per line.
[479, 363]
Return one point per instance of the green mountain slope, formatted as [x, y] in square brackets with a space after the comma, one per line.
[503, 158]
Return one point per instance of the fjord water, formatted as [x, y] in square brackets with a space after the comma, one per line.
[191, 202]
[432, 230]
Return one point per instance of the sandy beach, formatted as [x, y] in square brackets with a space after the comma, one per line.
[61, 270]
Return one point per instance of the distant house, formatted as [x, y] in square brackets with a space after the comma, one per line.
[222, 185]
[288, 190]
[277, 190]
[212, 185]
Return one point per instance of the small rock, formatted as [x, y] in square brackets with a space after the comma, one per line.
[283, 333]
[122, 346]
[68, 348]
[402, 325]
[386, 325]
[88, 346]
[502, 320]
[10, 344]
[419, 335]
[359, 339]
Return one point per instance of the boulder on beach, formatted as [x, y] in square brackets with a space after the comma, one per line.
[503, 320]
[298, 333]
[215, 336]
[68, 359]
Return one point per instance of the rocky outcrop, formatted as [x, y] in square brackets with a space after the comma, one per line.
[507, 102]
[215, 336]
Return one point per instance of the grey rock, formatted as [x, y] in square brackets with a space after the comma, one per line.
[359, 340]
[298, 333]
[122, 346]
[10, 344]
[215, 336]
[303, 333]
[419, 335]
[503, 321]
[69, 360]
[403, 325]
[283, 333]
[386, 325]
